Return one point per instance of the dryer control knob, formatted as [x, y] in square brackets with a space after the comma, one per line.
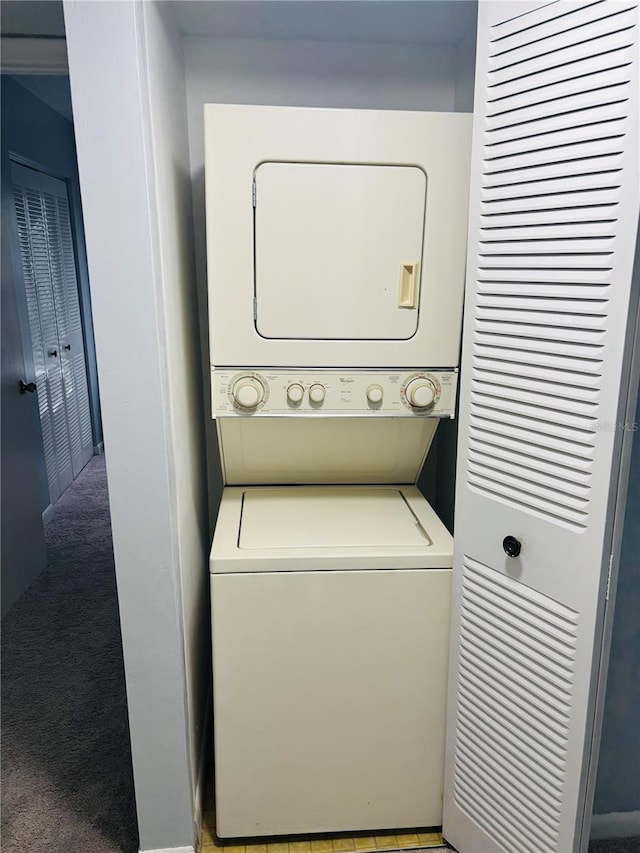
[317, 393]
[420, 393]
[295, 393]
[374, 394]
[248, 392]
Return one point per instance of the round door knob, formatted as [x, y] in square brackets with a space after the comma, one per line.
[512, 546]
[295, 393]
[317, 393]
[420, 393]
[374, 394]
[248, 392]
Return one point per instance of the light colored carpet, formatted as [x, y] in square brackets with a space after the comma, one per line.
[67, 783]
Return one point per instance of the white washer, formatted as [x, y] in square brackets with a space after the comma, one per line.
[330, 613]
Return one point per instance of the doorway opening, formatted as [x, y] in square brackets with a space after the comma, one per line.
[66, 762]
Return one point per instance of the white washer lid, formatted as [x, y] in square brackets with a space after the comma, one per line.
[312, 517]
[353, 528]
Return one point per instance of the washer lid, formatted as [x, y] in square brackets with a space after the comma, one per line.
[327, 528]
[321, 517]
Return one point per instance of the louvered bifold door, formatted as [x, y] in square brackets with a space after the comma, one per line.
[65, 289]
[43, 328]
[553, 219]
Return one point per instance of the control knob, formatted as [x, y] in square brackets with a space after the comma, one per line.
[420, 393]
[317, 393]
[374, 394]
[295, 393]
[248, 392]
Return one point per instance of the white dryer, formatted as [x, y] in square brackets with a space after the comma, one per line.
[335, 238]
[330, 613]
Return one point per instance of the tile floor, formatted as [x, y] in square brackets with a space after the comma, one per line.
[412, 840]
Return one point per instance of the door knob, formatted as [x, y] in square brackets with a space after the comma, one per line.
[512, 546]
[23, 387]
[53, 353]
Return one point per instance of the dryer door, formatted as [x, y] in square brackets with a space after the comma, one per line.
[338, 249]
[335, 237]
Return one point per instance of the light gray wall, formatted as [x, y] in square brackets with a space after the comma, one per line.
[618, 779]
[170, 151]
[465, 74]
[129, 100]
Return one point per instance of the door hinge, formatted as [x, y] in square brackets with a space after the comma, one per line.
[253, 193]
[606, 598]
[255, 309]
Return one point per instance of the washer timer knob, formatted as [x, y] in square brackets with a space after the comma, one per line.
[420, 393]
[247, 392]
[374, 394]
[317, 393]
[295, 393]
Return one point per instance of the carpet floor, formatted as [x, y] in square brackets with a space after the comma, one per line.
[616, 845]
[67, 784]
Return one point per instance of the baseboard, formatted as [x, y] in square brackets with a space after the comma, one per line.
[46, 515]
[615, 825]
[98, 449]
[189, 849]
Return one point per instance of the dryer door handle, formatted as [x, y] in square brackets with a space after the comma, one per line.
[408, 290]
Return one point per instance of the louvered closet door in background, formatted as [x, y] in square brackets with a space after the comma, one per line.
[553, 219]
[51, 292]
[36, 271]
[65, 290]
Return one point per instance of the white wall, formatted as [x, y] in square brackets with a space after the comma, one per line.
[129, 102]
[300, 73]
[170, 153]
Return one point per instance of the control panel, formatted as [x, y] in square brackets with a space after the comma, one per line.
[278, 392]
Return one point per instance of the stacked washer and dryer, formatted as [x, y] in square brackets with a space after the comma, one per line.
[336, 251]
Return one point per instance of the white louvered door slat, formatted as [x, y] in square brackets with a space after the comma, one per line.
[555, 196]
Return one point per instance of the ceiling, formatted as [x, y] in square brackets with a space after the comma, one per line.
[32, 18]
[52, 89]
[382, 21]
